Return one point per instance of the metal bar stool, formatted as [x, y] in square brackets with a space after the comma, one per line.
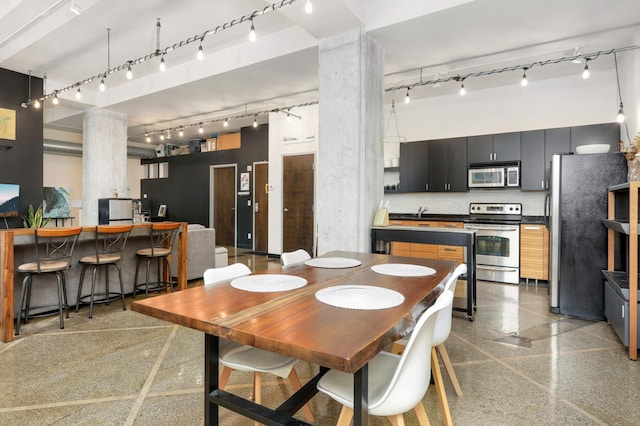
[53, 250]
[162, 237]
[109, 244]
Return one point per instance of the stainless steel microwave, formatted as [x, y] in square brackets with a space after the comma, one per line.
[494, 176]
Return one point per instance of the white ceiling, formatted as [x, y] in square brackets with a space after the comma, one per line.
[280, 69]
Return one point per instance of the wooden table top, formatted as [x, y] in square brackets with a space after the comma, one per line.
[295, 323]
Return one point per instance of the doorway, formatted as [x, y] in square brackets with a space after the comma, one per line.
[297, 201]
[223, 204]
[261, 207]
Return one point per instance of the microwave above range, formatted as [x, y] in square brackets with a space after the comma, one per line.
[494, 175]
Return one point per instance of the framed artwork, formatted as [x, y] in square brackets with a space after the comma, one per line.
[162, 210]
[56, 202]
[7, 124]
[244, 181]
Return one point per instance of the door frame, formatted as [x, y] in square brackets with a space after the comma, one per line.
[253, 206]
[235, 198]
[315, 199]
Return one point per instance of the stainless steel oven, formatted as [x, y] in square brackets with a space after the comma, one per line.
[497, 229]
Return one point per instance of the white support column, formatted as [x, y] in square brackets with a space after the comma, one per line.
[350, 151]
[104, 160]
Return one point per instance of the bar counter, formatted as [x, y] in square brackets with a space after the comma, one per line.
[16, 248]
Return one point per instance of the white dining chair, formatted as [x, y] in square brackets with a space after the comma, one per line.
[441, 333]
[236, 356]
[297, 256]
[397, 383]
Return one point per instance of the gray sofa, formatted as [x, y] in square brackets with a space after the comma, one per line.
[202, 252]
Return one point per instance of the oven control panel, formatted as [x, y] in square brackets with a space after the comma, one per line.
[496, 208]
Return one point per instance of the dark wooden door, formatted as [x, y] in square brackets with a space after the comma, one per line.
[261, 207]
[224, 205]
[297, 202]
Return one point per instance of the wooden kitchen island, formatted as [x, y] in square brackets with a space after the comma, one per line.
[380, 235]
[16, 247]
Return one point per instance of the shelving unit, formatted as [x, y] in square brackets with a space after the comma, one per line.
[621, 289]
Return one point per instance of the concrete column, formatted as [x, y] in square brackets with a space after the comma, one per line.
[350, 151]
[104, 160]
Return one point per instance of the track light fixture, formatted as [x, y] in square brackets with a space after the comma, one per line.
[585, 72]
[163, 66]
[200, 54]
[129, 72]
[78, 94]
[252, 32]
[524, 80]
[102, 85]
[407, 98]
[463, 91]
[577, 59]
[200, 130]
[181, 132]
[308, 7]
[36, 104]
[55, 98]
[255, 121]
[620, 117]
[226, 122]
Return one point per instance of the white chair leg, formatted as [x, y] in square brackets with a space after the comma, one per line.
[442, 395]
[295, 383]
[449, 367]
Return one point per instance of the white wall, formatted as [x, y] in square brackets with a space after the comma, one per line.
[66, 171]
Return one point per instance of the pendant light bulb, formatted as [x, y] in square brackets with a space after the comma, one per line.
[102, 86]
[200, 130]
[308, 7]
[200, 54]
[463, 91]
[226, 122]
[252, 32]
[161, 136]
[55, 99]
[148, 138]
[407, 98]
[288, 117]
[585, 72]
[620, 118]
[129, 73]
[524, 80]
[36, 104]
[163, 66]
[181, 133]
[255, 121]
[78, 94]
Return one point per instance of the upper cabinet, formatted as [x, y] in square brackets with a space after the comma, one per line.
[532, 166]
[608, 133]
[503, 147]
[448, 165]
[414, 167]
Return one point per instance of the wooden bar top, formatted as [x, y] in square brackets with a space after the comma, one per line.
[295, 323]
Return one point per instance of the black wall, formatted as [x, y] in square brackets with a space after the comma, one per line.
[21, 160]
[186, 190]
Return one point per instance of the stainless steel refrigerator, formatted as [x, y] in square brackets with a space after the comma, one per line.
[575, 206]
[115, 211]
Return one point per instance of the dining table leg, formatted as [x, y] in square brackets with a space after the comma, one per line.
[361, 396]
[211, 373]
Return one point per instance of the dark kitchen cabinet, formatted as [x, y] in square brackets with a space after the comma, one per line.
[532, 166]
[502, 147]
[414, 167]
[608, 133]
[448, 165]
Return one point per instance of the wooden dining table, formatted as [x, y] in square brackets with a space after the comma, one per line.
[296, 324]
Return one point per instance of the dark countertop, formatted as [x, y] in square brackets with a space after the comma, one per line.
[452, 217]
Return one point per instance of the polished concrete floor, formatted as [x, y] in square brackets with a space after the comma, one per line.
[517, 364]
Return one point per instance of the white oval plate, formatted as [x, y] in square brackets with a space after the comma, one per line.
[361, 297]
[333, 262]
[403, 270]
[267, 283]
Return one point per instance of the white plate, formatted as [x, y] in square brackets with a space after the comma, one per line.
[333, 262]
[403, 270]
[361, 297]
[267, 283]
[598, 148]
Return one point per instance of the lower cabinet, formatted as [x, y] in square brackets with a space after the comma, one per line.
[428, 251]
[534, 251]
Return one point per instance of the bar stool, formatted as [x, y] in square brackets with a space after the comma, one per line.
[109, 245]
[162, 237]
[53, 249]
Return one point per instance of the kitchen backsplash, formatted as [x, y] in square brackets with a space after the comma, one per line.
[458, 202]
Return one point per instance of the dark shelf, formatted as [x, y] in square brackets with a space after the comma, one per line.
[6, 145]
[618, 226]
[621, 281]
[392, 169]
[619, 187]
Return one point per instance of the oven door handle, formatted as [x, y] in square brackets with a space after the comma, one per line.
[482, 228]
[493, 268]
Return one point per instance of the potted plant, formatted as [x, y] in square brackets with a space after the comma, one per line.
[35, 218]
